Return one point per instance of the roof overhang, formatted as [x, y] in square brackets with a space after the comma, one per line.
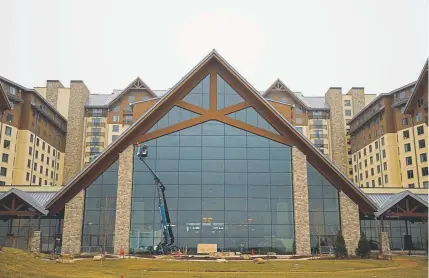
[396, 199]
[85, 177]
[26, 198]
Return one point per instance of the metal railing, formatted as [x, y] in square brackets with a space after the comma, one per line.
[321, 146]
[92, 153]
[128, 122]
[318, 126]
[95, 144]
[92, 124]
[95, 134]
[318, 136]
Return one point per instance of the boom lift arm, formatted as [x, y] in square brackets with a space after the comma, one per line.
[168, 240]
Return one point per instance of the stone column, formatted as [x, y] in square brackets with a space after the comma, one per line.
[300, 202]
[358, 99]
[384, 245]
[35, 242]
[79, 95]
[350, 223]
[123, 201]
[72, 229]
[52, 87]
[338, 131]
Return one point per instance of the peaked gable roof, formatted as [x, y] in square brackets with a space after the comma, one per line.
[289, 135]
[26, 198]
[396, 199]
[423, 77]
[136, 84]
[278, 85]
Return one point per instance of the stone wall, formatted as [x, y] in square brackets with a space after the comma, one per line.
[35, 242]
[52, 87]
[123, 203]
[338, 132]
[350, 224]
[384, 245]
[300, 202]
[72, 228]
[358, 99]
[79, 94]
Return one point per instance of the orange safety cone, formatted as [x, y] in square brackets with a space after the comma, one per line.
[253, 252]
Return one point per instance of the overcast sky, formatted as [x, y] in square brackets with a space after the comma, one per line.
[310, 45]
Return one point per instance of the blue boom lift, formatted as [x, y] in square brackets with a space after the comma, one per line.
[167, 243]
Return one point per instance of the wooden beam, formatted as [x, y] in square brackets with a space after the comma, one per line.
[213, 90]
[6, 207]
[18, 213]
[234, 108]
[13, 203]
[191, 107]
[415, 207]
[406, 214]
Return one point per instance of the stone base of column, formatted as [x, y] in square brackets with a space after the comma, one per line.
[35, 242]
[384, 246]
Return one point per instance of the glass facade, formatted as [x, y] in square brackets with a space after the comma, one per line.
[174, 116]
[226, 95]
[223, 185]
[17, 232]
[100, 211]
[200, 94]
[251, 117]
[324, 209]
[397, 229]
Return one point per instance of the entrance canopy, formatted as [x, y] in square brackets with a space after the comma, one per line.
[404, 204]
[19, 203]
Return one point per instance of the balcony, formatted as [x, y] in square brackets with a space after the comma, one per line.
[128, 122]
[95, 134]
[94, 154]
[92, 124]
[318, 126]
[326, 116]
[95, 144]
[318, 136]
[325, 146]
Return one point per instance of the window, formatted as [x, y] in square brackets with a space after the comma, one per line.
[424, 171]
[383, 153]
[378, 168]
[3, 171]
[115, 128]
[420, 130]
[348, 112]
[371, 160]
[407, 147]
[56, 176]
[422, 143]
[365, 162]
[116, 119]
[360, 165]
[372, 171]
[423, 157]
[6, 144]
[370, 148]
[373, 183]
[408, 160]
[386, 180]
[367, 184]
[361, 177]
[299, 128]
[43, 146]
[5, 157]
[43, 157]
[46, 182]
[53, 152]
[49, 149]
[31, 138]
[376, 145]
[366, 174]
[37, 154]
[405, 121]
[347, 102]
[114, 137]
[8, 131]
[27, 177]
[40, 181]
[425, 184]
[46, 172]
[9, 118]
[298, 110]
[37, 141]
[41, 169]
[401, 95]
[29, 163]
[35, 166]
[298, 120]
[377, 156]
[384, 166]
[131, 99]
[382, 141]
[359, 154]
[419, 117]
[47, 160]
[406, 134]
[34, 179]
[364, 151]
[420, 102]
[30, 150]
[58, 166]
[411, 185]
[379, 181]
[12, 90]
[410, 174]
[116, 108]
